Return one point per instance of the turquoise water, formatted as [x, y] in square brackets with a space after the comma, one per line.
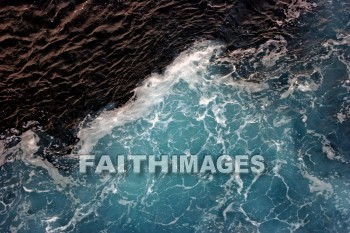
[198, 106]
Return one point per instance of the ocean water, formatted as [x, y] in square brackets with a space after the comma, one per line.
[197, 107]
[266, 100]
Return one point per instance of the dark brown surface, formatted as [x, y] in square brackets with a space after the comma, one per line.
[62, 60]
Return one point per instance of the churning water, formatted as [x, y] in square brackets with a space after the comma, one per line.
[296, 115]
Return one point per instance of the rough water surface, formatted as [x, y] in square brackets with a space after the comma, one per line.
[283, 94]
[62, 60]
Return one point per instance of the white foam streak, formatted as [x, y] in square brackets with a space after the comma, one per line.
[296, 7]
[29, 146]
[318, 186]
[189, 66]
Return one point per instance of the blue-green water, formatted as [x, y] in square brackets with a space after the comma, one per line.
[297, 119]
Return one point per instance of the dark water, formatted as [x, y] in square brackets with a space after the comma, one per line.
[62, 60]
[238, 77]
